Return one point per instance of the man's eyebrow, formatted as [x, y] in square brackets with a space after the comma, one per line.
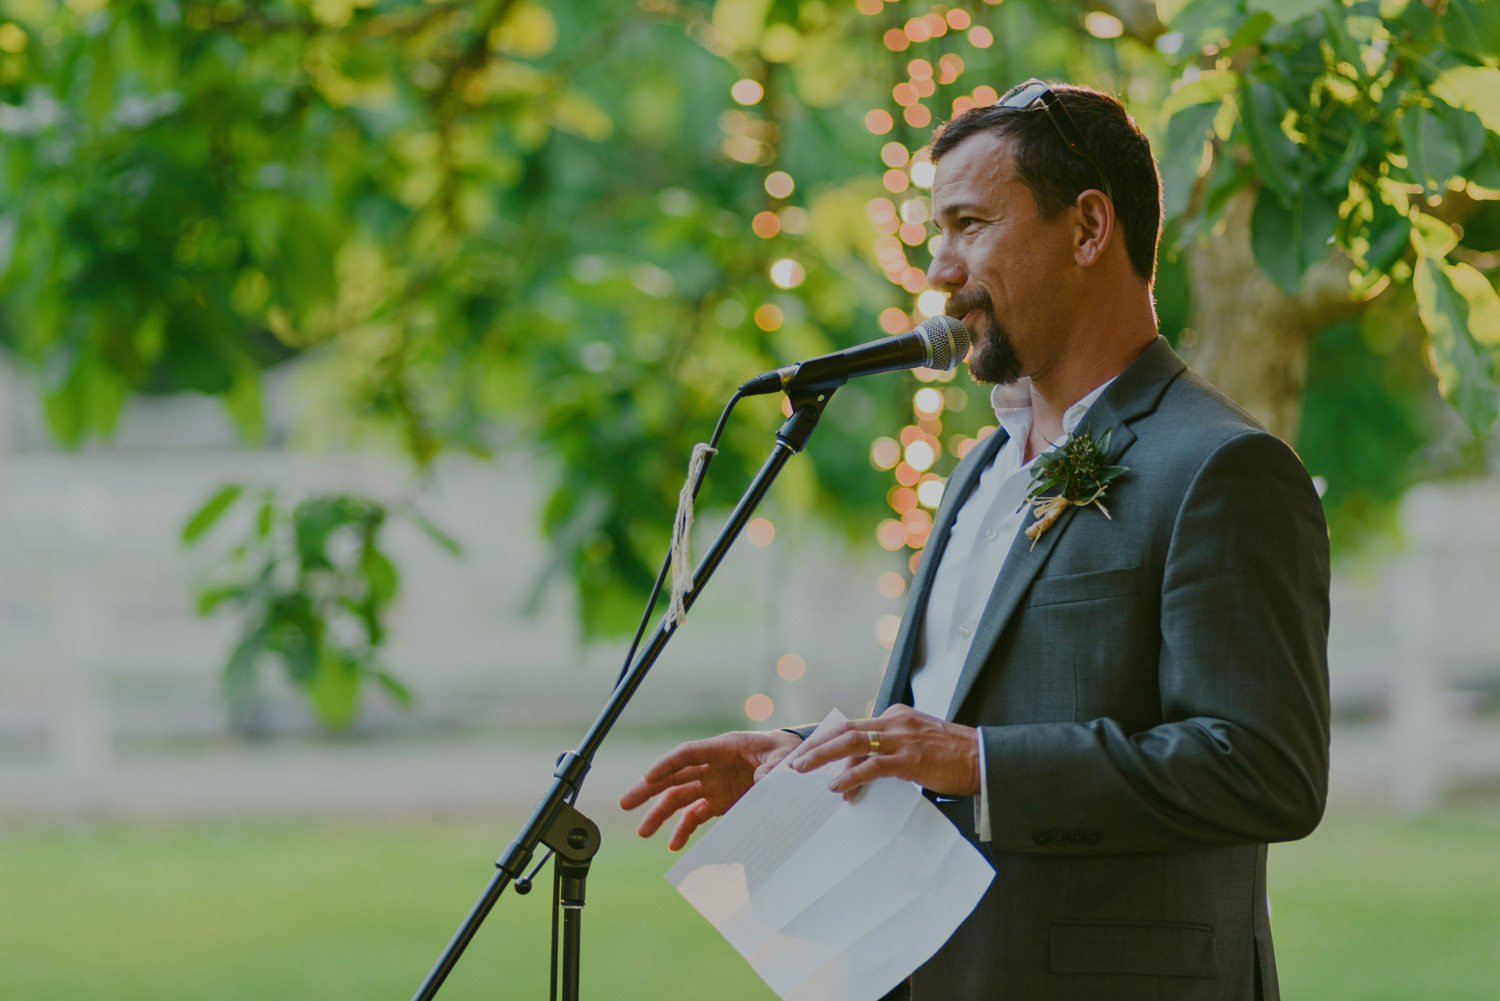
[960, 208]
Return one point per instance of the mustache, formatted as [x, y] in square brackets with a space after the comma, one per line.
[960, 305]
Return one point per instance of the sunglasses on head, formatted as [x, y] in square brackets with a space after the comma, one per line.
[1035, 90]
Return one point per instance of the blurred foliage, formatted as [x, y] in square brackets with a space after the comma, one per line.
[1374, 127]
[312, 586]
[483, 224]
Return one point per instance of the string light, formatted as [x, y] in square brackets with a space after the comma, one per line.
[747, 92]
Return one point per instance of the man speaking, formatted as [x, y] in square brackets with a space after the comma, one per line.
[1116, 686]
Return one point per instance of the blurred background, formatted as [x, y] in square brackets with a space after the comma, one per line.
[352, 353]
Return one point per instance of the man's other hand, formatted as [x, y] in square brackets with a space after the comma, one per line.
[935, 754]
[704, 778]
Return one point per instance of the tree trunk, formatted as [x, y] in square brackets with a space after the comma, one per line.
[1247, 336]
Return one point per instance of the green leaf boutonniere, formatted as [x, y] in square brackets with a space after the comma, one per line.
[1077, 467]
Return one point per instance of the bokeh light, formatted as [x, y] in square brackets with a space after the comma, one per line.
[932, 303]
[890, 534]
[937, 27]
[768, 316]
[958, 20]
[922, 174]
[930, 493]
[913, 234]
[870, 7]
[917, 30]
[787, 273]
[896, 40]
[905, 94]
[894, 155]
[917, 116]
[747, 92]
[760, 532]
[920, 455]
[985, 95]
[765, 225]
[891, 584]
[928, 402]
[885, 453]
[902, 499]
[896, 181]
[980, 37]
[919, 69]
[779, 184]
[893, 321]
[879, 121]
[886, 629]
[1102, 24]
[790, 667]
[759, 707]
[951, 66]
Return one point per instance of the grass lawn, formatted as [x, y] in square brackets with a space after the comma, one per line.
[1369, 908]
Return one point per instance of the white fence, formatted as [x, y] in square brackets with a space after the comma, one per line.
[102, 656]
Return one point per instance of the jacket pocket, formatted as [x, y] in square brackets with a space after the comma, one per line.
[1085, 586]
[1143, 948]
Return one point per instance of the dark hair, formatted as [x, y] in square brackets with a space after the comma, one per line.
[1056, 175]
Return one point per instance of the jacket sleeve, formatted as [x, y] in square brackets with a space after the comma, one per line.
[1241, 752]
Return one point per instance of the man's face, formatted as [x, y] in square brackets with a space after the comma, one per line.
[999, 259]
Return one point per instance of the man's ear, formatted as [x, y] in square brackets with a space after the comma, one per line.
[1096, 227]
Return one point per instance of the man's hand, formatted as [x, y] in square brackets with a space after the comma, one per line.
[934, 753]
[704, 778]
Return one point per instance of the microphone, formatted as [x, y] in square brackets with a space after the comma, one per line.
[939, 343]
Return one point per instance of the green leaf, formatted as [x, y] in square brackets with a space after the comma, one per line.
[211, 598]
[1431, 154]
[1337, 181]
[1473, 88]
[1465, 372]
[333, 689]
[1287, 242]
[239, 671]
[1389, 235]
[380, 575]
[436, 534]
[1187, 133]
[1261, 109]
[265, 515]
[1289, 11]
[1473, 26]
[392, 686]
[204, 518]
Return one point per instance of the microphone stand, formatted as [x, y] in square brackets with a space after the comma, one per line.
[555, 822]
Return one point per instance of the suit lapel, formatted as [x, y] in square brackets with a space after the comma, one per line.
[1134, 393]
[893, 685]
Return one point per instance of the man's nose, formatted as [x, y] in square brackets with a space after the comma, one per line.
[946, 273]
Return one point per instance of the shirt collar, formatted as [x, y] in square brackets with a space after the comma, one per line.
[1012, 403]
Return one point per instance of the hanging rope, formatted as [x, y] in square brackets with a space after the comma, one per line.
[682, 528]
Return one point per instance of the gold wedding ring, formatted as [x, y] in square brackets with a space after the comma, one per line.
[874, 741]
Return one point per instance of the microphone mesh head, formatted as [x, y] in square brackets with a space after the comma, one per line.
[947, 342]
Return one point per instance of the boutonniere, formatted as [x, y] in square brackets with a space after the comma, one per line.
[1077, 467]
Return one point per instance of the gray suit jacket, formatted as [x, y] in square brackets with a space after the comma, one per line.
[1154, 701]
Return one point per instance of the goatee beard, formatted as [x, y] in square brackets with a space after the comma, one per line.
[992, 359]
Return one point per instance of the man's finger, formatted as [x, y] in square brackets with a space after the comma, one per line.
[685, 755]
[670, 802]
[862, 772]
[850, 744]
[691, 818]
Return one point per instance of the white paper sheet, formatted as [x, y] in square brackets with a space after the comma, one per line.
[827, 900]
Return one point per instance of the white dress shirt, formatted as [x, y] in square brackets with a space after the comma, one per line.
[971, 563]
